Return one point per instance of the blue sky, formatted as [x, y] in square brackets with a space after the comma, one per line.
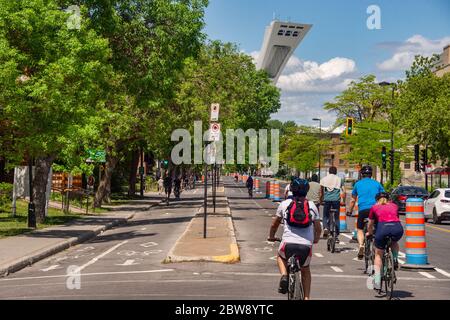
[339, 48]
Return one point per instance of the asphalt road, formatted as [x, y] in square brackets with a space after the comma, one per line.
[126, 262]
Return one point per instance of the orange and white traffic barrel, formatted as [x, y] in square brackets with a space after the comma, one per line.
[415, 242]
[272, 189]
[257, 185]
[276, 192]
[342, 214]
[203, 179]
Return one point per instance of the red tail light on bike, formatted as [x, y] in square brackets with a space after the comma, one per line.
[402, 198]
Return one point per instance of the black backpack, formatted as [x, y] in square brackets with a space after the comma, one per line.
[299, 214]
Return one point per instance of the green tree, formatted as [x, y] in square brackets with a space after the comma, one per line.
[61, 76]
[422, 108]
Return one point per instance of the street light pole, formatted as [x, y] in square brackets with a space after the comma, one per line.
[320, 134]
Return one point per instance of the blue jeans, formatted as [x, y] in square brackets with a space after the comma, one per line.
[326, 214]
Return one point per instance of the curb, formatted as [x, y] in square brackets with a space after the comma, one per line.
[232, 257]
[66, 244]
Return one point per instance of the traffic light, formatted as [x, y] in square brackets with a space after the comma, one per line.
[349, 128]
[416, 158]
[423, 160]
[383, 157]
[391, 157]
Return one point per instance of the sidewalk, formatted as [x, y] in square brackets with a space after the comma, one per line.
[20, 251]
[220, 244]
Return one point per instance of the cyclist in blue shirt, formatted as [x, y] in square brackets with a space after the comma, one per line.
[365, 190]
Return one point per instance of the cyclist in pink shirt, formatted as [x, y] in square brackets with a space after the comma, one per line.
[385, 215]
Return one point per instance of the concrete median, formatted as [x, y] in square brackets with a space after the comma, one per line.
[220, 243]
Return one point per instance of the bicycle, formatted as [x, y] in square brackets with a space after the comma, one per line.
[369, 250]
[295, 285]
[332, 236]
[388, 277]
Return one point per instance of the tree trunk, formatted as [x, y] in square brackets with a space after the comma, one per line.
[104, 188]
[133, 169]
[40, 180]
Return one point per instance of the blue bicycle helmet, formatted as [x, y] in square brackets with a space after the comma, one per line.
[299, 187]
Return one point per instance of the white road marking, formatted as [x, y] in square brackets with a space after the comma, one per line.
[426, 274]
[401, 254]
[148, 244]
[336, 269]
[274, 258]
[128, 263]
[346, 235]
[443, 272]
[265, 249]
[51, 268]
[143, 229]
[355, 259]
[195, 191]
[318, 255]
[92, 274]
[94, 260]
[341, 242]
[400, 261]
[331, 276]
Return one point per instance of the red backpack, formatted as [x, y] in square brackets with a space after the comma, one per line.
[298, 214]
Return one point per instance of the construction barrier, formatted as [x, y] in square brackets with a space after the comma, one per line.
[342, 215]
[276, 191]
[256, 186]
[268, 190]
[203, 179]
[415, 242]
[272, 189]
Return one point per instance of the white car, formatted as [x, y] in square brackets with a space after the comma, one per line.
[437, 206]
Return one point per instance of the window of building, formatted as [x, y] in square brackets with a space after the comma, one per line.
[341, 162]
[407, 166]
[327, 162]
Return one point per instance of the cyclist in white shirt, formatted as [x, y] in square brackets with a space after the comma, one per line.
[299, 239]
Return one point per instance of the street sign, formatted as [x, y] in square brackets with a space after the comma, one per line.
[215, 112]
[96, 156]
[214, 131]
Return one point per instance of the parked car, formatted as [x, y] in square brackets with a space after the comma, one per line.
[402, 193]
[437, 207]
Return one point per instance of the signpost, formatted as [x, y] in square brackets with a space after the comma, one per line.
[214, 135]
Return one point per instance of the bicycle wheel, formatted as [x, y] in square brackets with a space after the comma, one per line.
[295, 291]
[333, 233]
[389, 275]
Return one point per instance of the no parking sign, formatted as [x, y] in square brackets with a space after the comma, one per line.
[214, 131]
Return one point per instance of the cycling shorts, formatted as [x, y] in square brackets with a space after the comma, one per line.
[302, 251]
[387, 229]
[362, 215]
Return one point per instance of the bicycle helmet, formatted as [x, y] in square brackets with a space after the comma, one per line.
[366, 171]
[299, 187]
[382, 195]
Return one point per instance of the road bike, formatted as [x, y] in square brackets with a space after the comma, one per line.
[388, 277]
[332, 236]
[295, 284]
[369, 250]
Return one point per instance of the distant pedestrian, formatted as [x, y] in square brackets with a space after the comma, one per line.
[160, 185]
[314, 190]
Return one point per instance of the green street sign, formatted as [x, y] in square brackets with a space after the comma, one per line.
[96, 155]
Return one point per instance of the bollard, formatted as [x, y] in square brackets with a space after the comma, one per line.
[342, 215]
[268, 190]
[415, 242]
[276, 192]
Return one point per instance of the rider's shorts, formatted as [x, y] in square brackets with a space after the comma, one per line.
[362, 215]
[304, 252]
[387, 229]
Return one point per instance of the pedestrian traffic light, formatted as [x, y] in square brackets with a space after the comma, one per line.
[416, 158]
[423, 160]
[383, 157]
[349, 128]
[165, 164]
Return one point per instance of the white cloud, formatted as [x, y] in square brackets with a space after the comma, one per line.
[310, 76]
[405, 52]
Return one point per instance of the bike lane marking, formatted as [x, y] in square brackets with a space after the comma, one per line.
[318, 255]
[336, 269]
[445, 273]
[427, 275]
[94, 260]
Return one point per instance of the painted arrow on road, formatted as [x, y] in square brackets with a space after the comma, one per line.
[128, 263]
[51, 268]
